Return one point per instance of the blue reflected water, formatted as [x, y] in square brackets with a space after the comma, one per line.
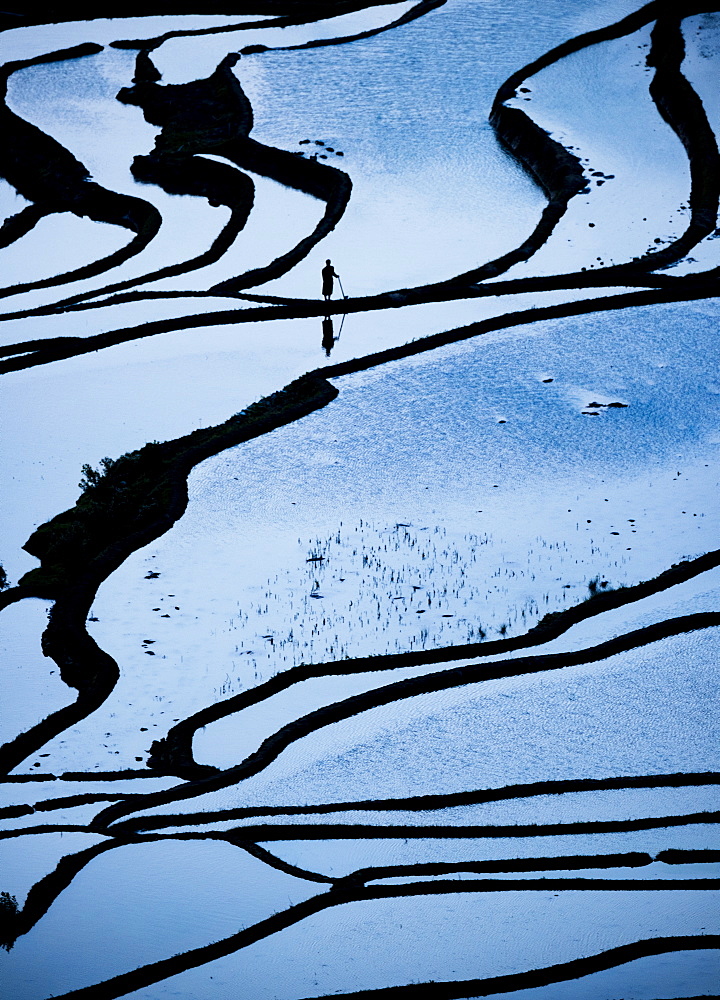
[404, 679]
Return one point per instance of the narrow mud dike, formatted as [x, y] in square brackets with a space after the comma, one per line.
[80, 548]
[143, 493]
[139, 496]
[48, 175]
[173, 754]
[149, 974]
[557, 171]
[32, 353]
[265, 833]
[291, 12]
[208, 779]
[138, 499]
[418, 803]
[535, 978]
[44, 893]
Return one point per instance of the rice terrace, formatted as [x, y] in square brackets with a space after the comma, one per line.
[360, 551]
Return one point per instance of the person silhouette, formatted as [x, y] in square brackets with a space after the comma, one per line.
[328, 335]
[328, 273]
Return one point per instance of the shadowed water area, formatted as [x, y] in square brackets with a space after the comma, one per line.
[358, 632]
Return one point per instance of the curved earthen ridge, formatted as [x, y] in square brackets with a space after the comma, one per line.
[44, 892]
[299, 10]
[266, 833]
[415, 803]
[270, 749]
[535, 978]
[139, 499]
[31, 353]
[302, 15]
[144, 493]
[173, 753]
[149, 974]
[559, 172]
[89, 521]
[555, 169]
[67, 187]
[214, 116]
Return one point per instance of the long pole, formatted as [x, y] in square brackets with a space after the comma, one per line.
[341, 287]
[342, 323]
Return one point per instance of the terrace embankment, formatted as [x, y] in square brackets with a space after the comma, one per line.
[49, 176]
[137, 499]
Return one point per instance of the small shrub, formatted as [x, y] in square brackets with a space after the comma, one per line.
[4, 583]
[93, 477]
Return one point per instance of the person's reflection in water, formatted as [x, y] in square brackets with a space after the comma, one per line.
[328, 338]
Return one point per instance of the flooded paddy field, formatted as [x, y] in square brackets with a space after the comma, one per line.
[362, 642]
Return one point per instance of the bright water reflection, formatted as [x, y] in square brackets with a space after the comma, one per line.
[455, 495]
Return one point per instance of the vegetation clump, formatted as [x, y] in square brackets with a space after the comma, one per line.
[131, 500]
[8, 918]
[122, 497]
